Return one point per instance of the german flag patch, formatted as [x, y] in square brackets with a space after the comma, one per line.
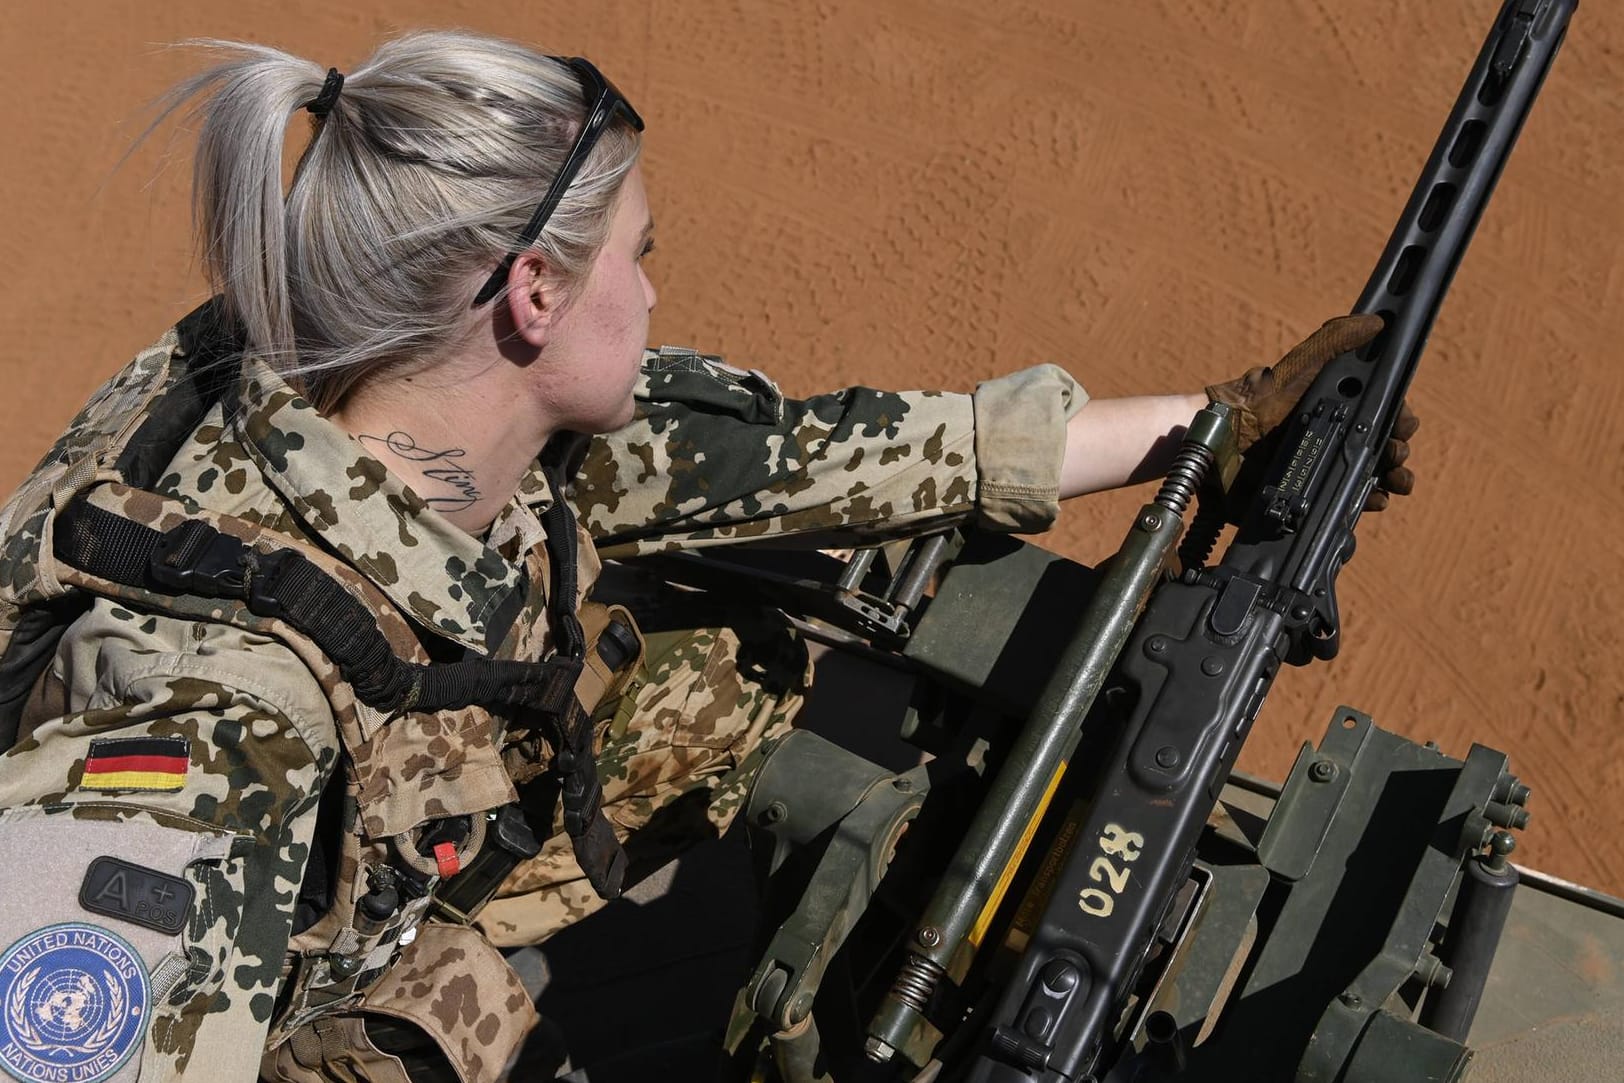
[137, 763]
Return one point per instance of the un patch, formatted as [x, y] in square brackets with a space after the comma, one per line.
[73, 1003]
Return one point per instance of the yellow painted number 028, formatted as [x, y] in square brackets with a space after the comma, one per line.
[1117, 845]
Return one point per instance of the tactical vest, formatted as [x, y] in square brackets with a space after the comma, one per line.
[86, 523]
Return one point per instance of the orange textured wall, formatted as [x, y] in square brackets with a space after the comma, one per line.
[907, 193]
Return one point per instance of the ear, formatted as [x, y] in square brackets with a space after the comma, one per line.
[534, 300]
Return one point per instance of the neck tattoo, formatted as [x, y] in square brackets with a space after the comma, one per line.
[465, 489]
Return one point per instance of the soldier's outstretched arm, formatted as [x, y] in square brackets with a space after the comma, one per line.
[717, 454]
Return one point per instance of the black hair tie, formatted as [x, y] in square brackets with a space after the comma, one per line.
[323, 103]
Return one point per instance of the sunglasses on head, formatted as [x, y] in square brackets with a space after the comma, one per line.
[604, 103]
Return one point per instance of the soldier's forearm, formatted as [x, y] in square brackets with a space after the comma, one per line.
[1116, 442]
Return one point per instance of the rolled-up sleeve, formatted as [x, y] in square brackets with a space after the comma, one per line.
[1020, 444]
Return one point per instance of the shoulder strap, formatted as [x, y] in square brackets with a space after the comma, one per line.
[201, 374]
[194, 558]
[597, 850]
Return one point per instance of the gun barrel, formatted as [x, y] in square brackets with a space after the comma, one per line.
[1416, 267]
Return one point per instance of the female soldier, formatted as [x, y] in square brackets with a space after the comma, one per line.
[297, 608]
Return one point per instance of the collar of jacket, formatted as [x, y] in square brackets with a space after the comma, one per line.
[443, 577]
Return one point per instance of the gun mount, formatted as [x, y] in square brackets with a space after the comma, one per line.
[1345, 922]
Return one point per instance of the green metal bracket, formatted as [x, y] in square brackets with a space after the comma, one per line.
[812, 792]
[1309, 801]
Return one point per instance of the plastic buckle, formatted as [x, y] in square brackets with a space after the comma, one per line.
[194, 558]
[559, 690]
[262, 597]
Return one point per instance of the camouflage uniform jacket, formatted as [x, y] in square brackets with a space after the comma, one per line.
[202, 750]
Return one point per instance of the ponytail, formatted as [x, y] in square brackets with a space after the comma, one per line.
[421, 166]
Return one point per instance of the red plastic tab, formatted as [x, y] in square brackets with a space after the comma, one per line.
[445, 856]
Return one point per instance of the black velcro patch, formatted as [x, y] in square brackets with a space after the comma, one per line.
[145, 896]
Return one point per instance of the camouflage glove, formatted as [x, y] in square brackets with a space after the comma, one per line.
[1265, 397]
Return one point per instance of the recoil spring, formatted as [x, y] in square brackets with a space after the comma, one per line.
[1202, 535]
[917, 982]
[1184, 477]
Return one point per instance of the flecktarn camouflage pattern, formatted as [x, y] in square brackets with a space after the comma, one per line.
[202, 801]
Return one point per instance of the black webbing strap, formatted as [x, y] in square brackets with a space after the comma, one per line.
[194, 558]
[597, 851]
[559, 522]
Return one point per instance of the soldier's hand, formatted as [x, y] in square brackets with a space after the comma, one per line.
[1392, 476]
[1264, 397]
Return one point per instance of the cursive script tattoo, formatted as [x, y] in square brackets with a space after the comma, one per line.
[403, 446]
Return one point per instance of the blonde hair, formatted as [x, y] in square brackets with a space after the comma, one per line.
[411, 190]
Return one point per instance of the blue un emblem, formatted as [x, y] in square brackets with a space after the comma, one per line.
[73, 1004]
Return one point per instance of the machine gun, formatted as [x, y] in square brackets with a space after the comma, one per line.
[1059, 941]
[1209, 645]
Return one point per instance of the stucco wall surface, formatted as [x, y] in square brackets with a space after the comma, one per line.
[903, 193]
